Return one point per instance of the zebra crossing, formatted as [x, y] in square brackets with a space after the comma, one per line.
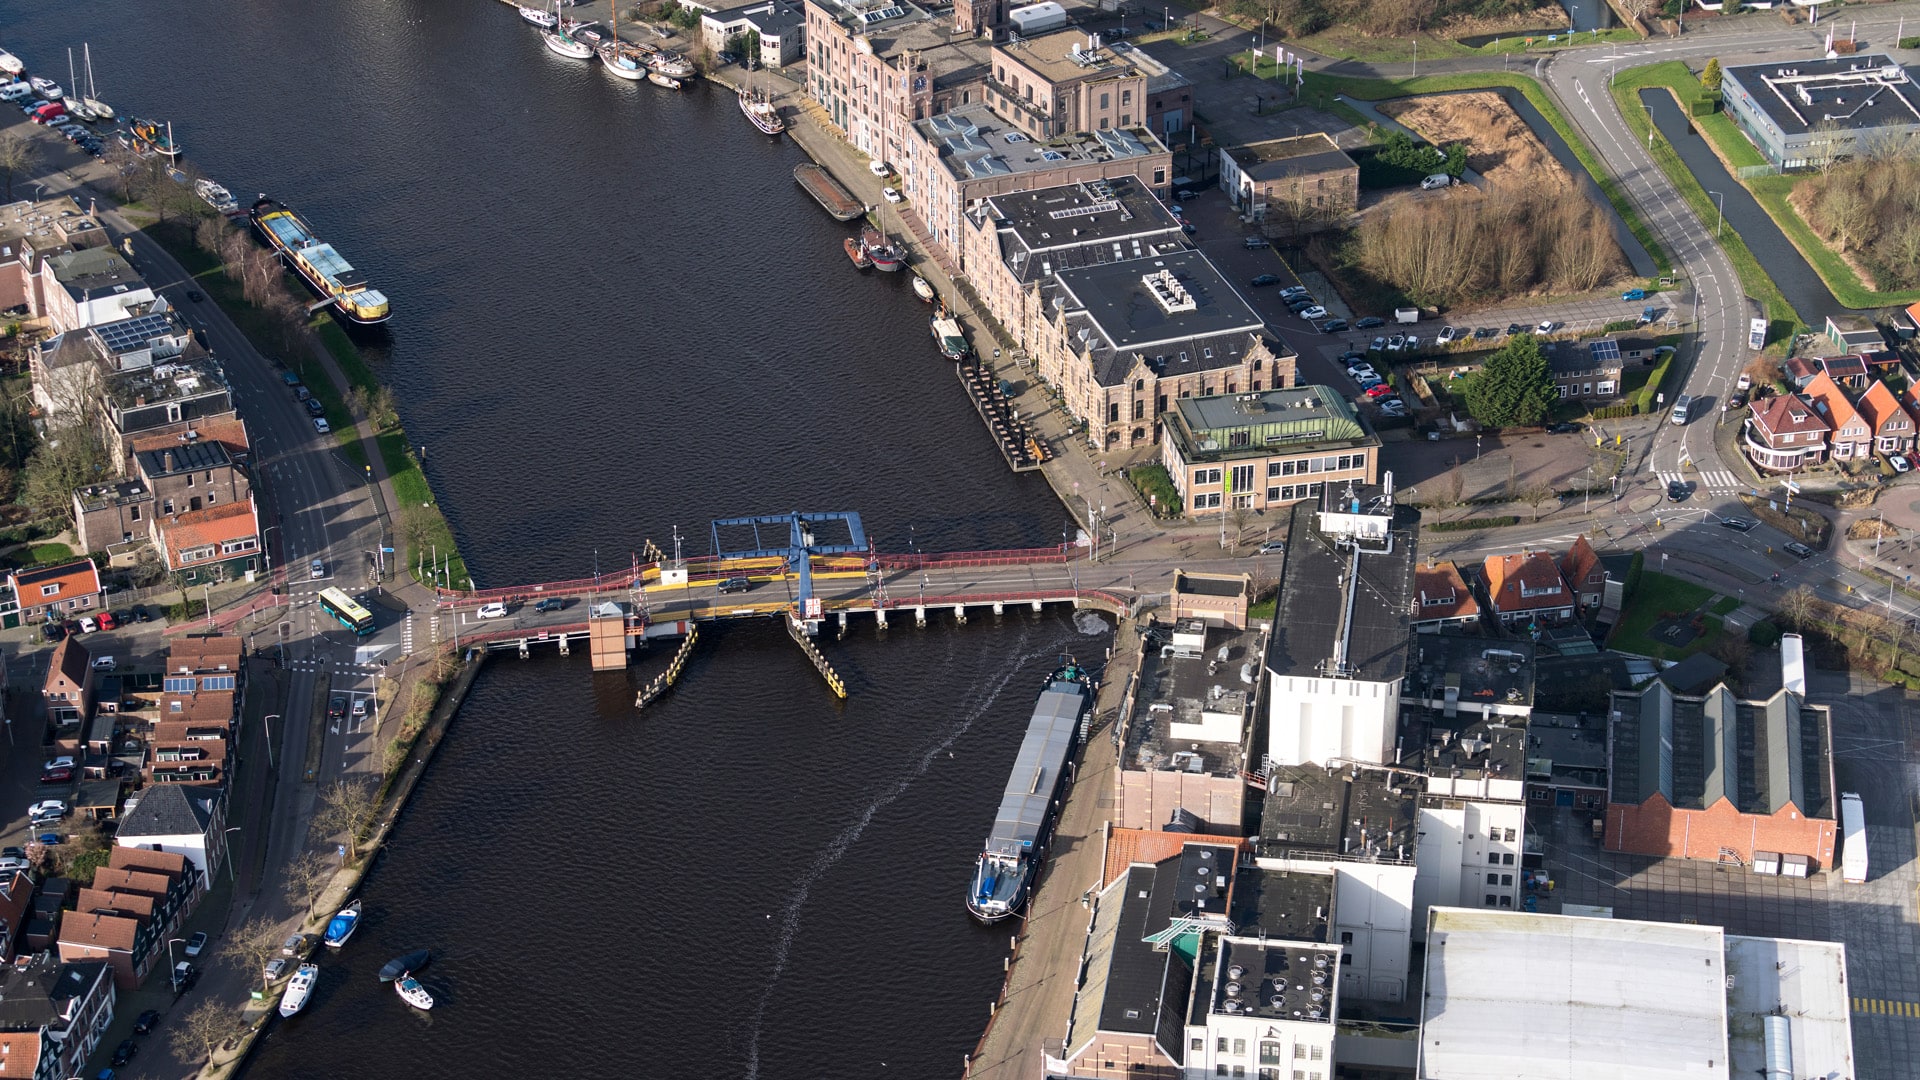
[1885, 1007]
[1714, 481]
[333, 666]
[406, 635]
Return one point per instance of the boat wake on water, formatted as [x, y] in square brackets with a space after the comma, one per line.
[837, 848]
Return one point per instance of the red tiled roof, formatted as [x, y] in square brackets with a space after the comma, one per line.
[1126, 847]
[1838, 411]
[152, 883]
[1442, 582]
[1788, 414]
[70, 661]
[231, 433]
[1580, 562]
[1534, 570]
[145, 860]
[214, 526]
[19, 1055]
[133, 905]
[205, 652]
[88, 930]
[1878, 406]
[73, 580]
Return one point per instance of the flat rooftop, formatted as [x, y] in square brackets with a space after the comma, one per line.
[1290, 905]
[1351, 813]
[1849, 93]
[165, 382]
[1274, 980]
[975, 144]
[1562, 745]
[1177, 693]
[1475, 748]
[1111, 220]
[1312, 623]
[1800, 986]
[1467, 672]
[1277, 159]
[1062, 56]
[1558, 997]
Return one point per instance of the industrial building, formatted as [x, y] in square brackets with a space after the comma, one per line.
[1803, 113]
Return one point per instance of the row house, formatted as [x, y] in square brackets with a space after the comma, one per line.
[1442, 598]
[67, 691]
[1848, 437]
[56, 1015]
[174, 477]
[135, 903]
[52, 593]
[1785, 433]
[214, 544]
[1252, 451]
[1584, 574]
[1888, 422]
[177, 821]
[1821, 420]
[1527, 589]
[187, 740]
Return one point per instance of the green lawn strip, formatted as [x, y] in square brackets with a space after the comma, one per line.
[1658, 596]
[422, 531]
[1726, 605]
[1753, 278]
[1380, 89]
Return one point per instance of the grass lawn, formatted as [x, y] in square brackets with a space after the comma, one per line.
[42, 554]
[1725, 605]
[1661, 595]
[1321, 88]
[1348, 43]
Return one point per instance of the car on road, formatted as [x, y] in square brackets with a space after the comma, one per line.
[1738, 524]
[1563, 428]
[1379, 390]
[359, 707]
[317, 568]
[1264, 280]
[1369, 323]
[1272, 547]
[1446, 335]
[495, 610]
[195, 295]
[734, 585]
[293, 944]
[290, 378]
[183, 976]
[123, 1053]
[320, 425]
[892, 195]
[551, 603]
[1899, 462]
[1677, 491]
[1377, 344]
[314, 407]
[1332, 326]
[46, 810]
[336, 706]
[197, 943]
[146, 1022]
[1632, 295]
[1798, 550]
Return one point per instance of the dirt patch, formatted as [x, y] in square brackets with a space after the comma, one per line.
[1476, 26]
[1500, 146]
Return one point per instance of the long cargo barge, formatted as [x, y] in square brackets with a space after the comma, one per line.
[828, 192]
[324, 270]
[1003, 874]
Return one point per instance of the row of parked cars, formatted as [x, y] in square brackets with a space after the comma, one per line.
[88, 624]
[52, 114]
[1370, 382]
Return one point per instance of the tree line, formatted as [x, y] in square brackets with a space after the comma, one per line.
[1375, 18]
[1868, 208]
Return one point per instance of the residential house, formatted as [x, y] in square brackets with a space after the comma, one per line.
[1592, 373]
[53, 1015]
[1785, 433]
[16, 900]
[67, 690]
[1848, 371]
[52, 593]
[1890, 424]
[1848, 436]
[123, 943]
[781, 26]
[71, 369]
[181, 819]
[1800, 370]
[1442, 598]
[1583, 573]
[1253, 451]
[1527, 589]
[176, 399]
[217, 543]
[1303, 181]
[178, 476]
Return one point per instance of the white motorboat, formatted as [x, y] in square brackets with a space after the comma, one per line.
[412, 992]
[46, 88]
[545, 20]
[11, 64]
[217, 197]
[92, 100]
[299, 989]
[658, 79]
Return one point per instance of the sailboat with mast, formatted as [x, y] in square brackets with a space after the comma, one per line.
[560, 41]
[77, 105]
[619, 57]
[92, 98]
[758, 107]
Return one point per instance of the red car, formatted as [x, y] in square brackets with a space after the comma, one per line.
[60, 775]
[108, 621]
[1379, 391]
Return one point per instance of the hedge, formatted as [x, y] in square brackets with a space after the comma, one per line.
[1473, 523]
[1638, 567]
[1643, 398]
[1764, 634]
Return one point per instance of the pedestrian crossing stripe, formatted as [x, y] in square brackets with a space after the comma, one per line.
[1883, 1007]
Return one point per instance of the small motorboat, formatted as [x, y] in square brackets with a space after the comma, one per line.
[399, 966]
[856, 253]
[11, 64]
[299, 989]
[412, 992]
[216, 196]
[667, 81]
[923, 288]
[342, 925]
[46, 88]
[545, 20]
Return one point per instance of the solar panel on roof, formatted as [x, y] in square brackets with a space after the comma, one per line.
[1605, 350]
[127, 334]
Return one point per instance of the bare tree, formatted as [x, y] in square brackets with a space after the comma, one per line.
[19, 155]
[1537, 495]
[1797, 607]
[1453, 485]
[346, 807]
[305, 877]
[207, 1028]
[252, 946]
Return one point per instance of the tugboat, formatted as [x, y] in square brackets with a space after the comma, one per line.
[320, 266]
[884, 255]
[1003, 874]
[151, 138]
[857, 253]
[342, 925]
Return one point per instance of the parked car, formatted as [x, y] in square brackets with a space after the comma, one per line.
[320, 425]
[103, 663]
[1293, 291]
[1632, 295]
[184, 975]
[892, 195]
[140, 613]
[1301, 303]
[1393, 407]
[123, 1053]
[734, 585]
[1272, 547]
[1184, 194]
[1264, 280]
[196, 943]
[1445, 336]
[1377, 345]
[878, 167]
[1798, 550]
[495, 610]
[1562, 428]
[1254, 243]
[53, 631]
[1744, 382]
[1363, 371]
[1379, 390]
[293, 944]
[290, 378]
[1412, 343]
[1738, 524]
[108, 620]
[146, 1021]
[1899, 462]
[1484, 333]
[1396, 342]
[1333, 326]
[1546, 327]
[551, 603]
[1513, 328]
[57, 774]
[1352, 357]
[276, 968]
[315, 408]
[1369, 323]
[46, 810]
[88, 624]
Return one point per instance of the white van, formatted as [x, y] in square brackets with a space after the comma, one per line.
[1437, 180]
[1682, 408]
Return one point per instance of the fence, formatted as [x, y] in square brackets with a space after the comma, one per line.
[1755, 172]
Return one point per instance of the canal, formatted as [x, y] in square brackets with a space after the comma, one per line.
[615, 314]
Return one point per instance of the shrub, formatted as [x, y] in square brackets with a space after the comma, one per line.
[1763, 634]
[1634, 570]
[1910, 42]
[1473, 523]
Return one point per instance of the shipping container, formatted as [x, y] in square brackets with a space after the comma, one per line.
[1853, 826]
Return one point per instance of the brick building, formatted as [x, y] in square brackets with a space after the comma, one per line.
[1889, 423]
[1251, 451]
[1527, 589]
[67, 690]
[1442, 598]
[1303, 179]
[1785, 433]
[52, 593]
[1848, 436]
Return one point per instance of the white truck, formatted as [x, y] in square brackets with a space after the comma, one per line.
[1853, 841]
[1406, 315]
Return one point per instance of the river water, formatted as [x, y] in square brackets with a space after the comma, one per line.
[615, 313]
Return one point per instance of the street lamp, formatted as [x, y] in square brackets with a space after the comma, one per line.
[206, 598]
[268, 730]
[1720, 201]
[266, 552]
[228, 852]
[173, 966]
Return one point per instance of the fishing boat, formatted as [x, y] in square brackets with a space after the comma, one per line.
[400, 965]
[884, 255]
[217, 197]
[299, 989]
[93, 96]
[923, 288]
[412, 992]
[1003, 874]
[857, 253]
[545, 20]
[951, 339]
[11, 64]
[658, 79]
[761, 112]
[149, 137]
[78, 106]
[342, 925]
[325, 271]
[46, 88]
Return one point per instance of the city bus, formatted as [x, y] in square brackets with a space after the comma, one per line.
[345, 611]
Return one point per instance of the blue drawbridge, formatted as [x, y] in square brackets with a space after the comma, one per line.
[795, 537]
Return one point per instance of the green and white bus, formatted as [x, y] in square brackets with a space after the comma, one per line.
[346, 611]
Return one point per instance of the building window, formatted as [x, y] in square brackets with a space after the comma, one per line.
[1507, 880]
[1197, 1045]
[1220, 1045]
[1507, 858]
[49, 590]
[1493, 879]
[1491, 899]
[1493, 858]
[1269, 1053]
[1506, 901]
[1239, 1046]
[1318, 1053]
[1159, 177]
[1104, 100]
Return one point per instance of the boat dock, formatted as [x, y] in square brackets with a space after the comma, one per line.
[1024, 450]
[828, 192]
